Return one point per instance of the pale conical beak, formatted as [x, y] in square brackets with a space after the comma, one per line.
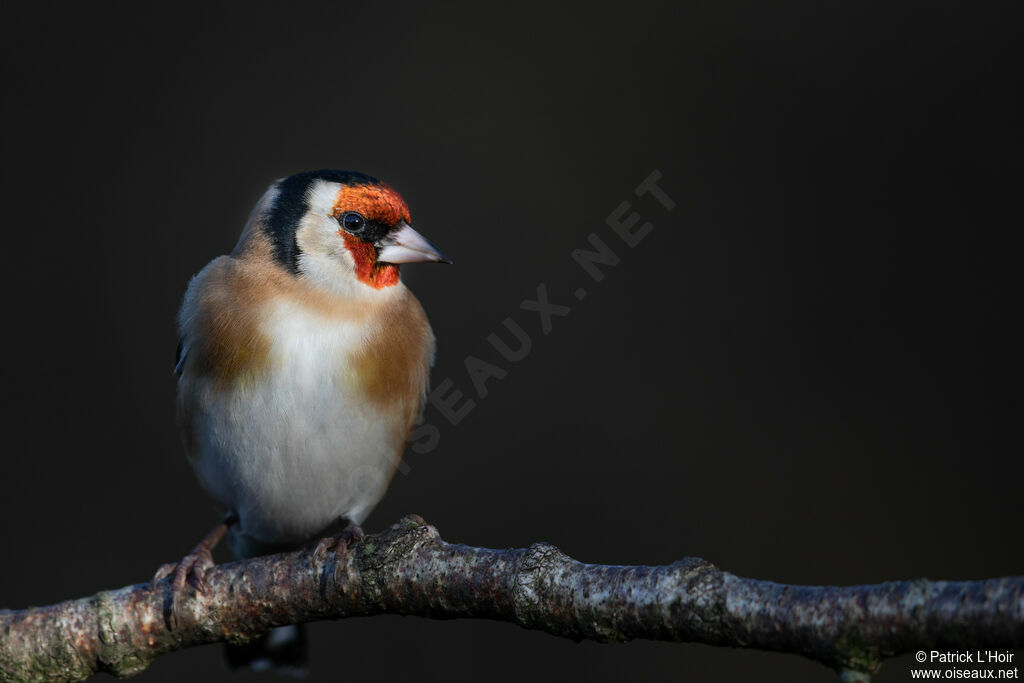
[405, 245]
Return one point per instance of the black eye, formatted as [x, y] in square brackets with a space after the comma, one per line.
[353, 222]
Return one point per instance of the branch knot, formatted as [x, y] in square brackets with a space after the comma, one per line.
[533, 579]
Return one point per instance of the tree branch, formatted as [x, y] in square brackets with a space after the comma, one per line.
[409, 570]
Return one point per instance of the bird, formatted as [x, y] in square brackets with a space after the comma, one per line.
[302, 366]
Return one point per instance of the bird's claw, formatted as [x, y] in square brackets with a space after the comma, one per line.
[353, 533]
[193, 566]
[196, 564]
[339, 543]
[162, 573]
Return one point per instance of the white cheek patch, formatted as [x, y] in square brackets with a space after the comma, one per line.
[319, 229]
[322, 196]
[324, 260]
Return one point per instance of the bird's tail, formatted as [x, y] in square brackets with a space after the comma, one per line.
[283, 650]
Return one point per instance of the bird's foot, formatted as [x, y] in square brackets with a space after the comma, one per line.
[339, 543]
[193, 566]
[190, 570]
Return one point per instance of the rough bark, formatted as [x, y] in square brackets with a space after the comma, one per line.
[409, 570]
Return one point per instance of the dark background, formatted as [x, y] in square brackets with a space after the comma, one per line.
[808, 372]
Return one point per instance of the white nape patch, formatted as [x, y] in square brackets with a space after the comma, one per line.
[324, 260]
[258, 212]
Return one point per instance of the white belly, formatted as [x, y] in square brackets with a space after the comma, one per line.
[297, 449]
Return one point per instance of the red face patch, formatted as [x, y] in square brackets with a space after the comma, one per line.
[379, 203]
[375, 203]
[368, 271]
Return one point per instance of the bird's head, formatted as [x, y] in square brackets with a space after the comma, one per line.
[342, 230]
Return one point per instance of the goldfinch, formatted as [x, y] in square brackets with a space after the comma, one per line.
[302, 366]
